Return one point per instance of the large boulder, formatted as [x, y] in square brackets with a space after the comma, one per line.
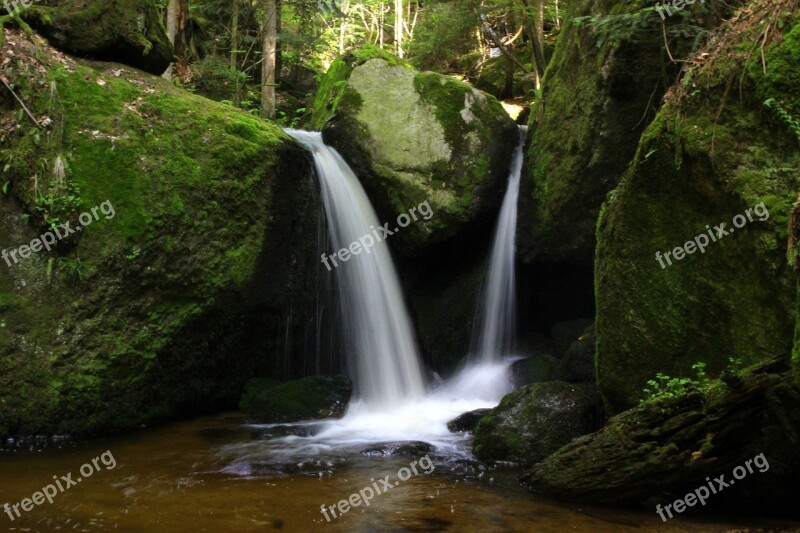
[603, 84]
[423, 137]
[266, 401]
[181, 288]
[664, 449]
[704, 163]
[533, 422]
[125, 31]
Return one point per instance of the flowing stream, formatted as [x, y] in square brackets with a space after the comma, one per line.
[496, 326]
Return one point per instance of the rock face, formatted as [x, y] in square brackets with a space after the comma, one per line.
[266, 401]
[467, 421]
[577, 365]
[180, 289]
[661, 451]
[423, 137]
[533, 422]
[598, 95]
[125, 31]
[703, 162]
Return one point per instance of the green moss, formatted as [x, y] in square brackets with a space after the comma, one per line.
[146, 312]
[333, 83]
[694, 170]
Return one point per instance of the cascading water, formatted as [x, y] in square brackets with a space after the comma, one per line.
[496, 327]
[378, 337]
[392, 404]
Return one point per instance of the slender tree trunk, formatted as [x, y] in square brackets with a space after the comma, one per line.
[270, 51]
[235, 34]
[398, 27]
[172, 30]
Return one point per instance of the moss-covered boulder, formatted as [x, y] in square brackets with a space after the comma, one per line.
[605, 81]
[533, 422]
[125, 31]
[181, 287]
[266, 401]
[662, 450]
[706, 175]
[423, 137]
[333, 82]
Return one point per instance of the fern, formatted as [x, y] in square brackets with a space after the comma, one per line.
[784, 116]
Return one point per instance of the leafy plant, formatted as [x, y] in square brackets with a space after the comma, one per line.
[666, 388]
[784, 116]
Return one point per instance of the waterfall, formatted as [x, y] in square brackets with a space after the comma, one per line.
[496, 326]
[379, 343]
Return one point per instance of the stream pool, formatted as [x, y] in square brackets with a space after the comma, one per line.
[203, 475]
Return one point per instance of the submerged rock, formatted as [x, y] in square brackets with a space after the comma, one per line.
[533, 422]
[124, 31]
[423, 137]
[663, 450]
[467, 421]
[267, 401]
[398, 449]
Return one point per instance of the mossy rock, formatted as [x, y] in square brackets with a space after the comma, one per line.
[333, 82]
[267, 401]
[703, 161]
[169, 306]
[423, 137]
[125, 31]
[535, 421]
[599, 92]
[660, 451]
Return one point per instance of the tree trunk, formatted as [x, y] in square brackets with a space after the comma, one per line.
[398, 27]
[235, 34]
[172, 30]
[270, 52]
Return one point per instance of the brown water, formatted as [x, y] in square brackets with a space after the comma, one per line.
[182, 478]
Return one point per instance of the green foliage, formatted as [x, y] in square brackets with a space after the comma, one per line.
[666, 388]
[784, 116]
[641, 25]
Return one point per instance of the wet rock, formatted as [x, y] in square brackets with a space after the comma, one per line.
[467, 421]
[533, 422]
[398, 449]
[317, 397]
[536, 369]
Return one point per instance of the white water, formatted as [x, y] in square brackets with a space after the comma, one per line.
[496, 327]
[378, 337]
[392, 404]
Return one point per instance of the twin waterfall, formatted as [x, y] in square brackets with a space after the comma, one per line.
[496, 328]
[379, 340]
[378, 337]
